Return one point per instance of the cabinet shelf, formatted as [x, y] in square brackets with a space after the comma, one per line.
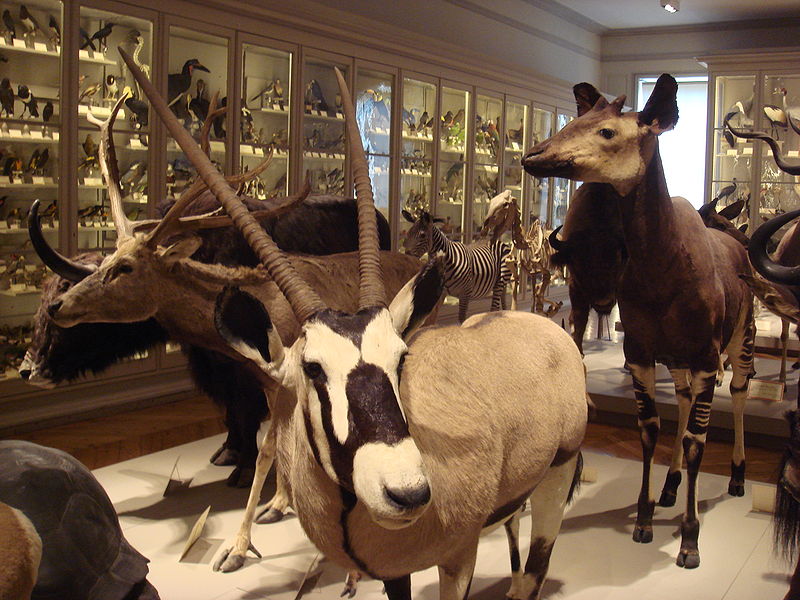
[337, 116]
[411, 137]
[29, 139]
[97, 58]
[28, 50]
[323, 156]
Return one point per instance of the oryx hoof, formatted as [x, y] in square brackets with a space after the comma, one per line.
[667, 498]
[269, 515]
[229, 561]
[643, 534]
[241, 477]
[736, 488]
[225, 457]
[688, 559]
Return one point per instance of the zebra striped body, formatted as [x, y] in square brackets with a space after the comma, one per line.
[470, 271]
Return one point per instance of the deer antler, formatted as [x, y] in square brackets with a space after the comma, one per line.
[304, 301]
[213, 113]
[758, 135]
[107, 156]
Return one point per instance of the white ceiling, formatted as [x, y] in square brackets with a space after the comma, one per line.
[624, 14]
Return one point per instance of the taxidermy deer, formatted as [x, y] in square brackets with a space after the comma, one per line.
[378, 465]
[680, 297]
[530, 255]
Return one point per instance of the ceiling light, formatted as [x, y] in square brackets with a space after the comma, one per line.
[671, 6]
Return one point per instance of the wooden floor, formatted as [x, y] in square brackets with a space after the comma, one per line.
[107, 440]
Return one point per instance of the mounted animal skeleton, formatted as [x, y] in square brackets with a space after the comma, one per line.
[530, 257]
[377, 463]
[680, 297]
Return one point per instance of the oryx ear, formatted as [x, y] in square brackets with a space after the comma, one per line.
[181, 249]
[732, 211]
[243, 321]
[415, 301]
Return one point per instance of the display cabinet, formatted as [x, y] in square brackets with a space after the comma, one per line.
[103, 77]
[488, 152]
[540, 196]
[759, 90]
[453, 122]
[373, 101]
[516, 140]
[198, 69]
[266, 122]
[417, 148]
[324, 145]
[562, 188]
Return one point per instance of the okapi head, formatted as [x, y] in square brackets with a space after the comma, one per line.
[344, 368]
[418, 238]
[722, 220]
[603, 144]
[125, 286]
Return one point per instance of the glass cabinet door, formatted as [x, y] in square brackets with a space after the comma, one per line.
[30, 127]
[198, 68]
[374, 116]
[323, 127]
[266, 105]
[489, 147]
[416, 162]
[778, 190]
[452, 161]
[561, 187]
[542, 129]
[103, 77]
[516, 142]
[733, 157]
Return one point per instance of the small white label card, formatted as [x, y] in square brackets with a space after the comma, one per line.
[194, 534]
[761, 389]
[18, 43]
[3, 225]
[748, 150]
[92, 181]
[37, 180]
[217, 146]
[83, 109]
[136, 143]
[83, 54]
[732, 152]
[15, 132]
[55, 135]
[36, 134]
[40, 46]
[793, 153]
[339, 115]
[763, 498]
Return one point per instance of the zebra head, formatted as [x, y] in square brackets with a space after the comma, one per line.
[419, 236]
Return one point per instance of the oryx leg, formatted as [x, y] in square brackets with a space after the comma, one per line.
[694, 442]
[232, 558]
[683, 394]
[548, 502]
[275, 509]
[740, 353]
[456, 576]
[512, 534]
[644, 388]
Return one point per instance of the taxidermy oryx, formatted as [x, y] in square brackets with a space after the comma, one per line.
[680, 297]
[392, 475]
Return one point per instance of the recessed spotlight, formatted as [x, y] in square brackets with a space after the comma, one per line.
[671, 6]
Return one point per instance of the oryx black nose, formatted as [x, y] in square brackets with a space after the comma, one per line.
[25, 373]
[409, 497]
[53, 308]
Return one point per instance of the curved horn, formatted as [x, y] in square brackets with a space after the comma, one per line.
[758, 135]
[303, 300]
[555, 243]
[372, 291]
[757, 249]
[60, 265]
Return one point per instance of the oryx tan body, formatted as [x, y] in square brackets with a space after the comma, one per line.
[22, 553]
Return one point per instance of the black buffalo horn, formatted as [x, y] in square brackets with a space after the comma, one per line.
[555, 243]
[757, 249]
[60, 265]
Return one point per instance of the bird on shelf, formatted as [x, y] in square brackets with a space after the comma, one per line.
[33, 160]
[55, 31]
[776, 115]
[100, 36]
[132, 176]
[111, 87]
[43, 158]
[494, 136]
[459, 118]
[8, 21]
[47, 112]
[89, 92]
[50, 211]
[727, 190]
[314, 97]
[139, 109]
[179, 83]
[410, 118]
[7, 97]
[31, 105]
[90, 149]
[378, 107]
[29, 22]
[87, 41]
[23, 92]
[515, 135]
[425, 122]
[89, 211]
[447, 119]
[729, 137]
[199, 105]
[11, 164]
[271, 93]
[219, 122]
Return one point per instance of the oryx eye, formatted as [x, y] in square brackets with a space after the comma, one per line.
[607, 133]
[401, 364]
[312, 369]
[125, 269]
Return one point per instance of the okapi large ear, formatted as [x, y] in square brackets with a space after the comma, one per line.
[732, 211]
[417, 299]
[585, 97]
[661, 110]
[743, 228]
[243, 322]
[708, 209]
[181, 249]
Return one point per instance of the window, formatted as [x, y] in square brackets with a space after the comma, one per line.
[683, 150]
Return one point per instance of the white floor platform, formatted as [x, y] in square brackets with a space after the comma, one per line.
[594, 557]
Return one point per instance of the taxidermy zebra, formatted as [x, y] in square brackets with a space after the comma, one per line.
[470, 271]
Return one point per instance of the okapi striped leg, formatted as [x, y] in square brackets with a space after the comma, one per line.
[548, 502]
[683, 394]
[644, 388]
[463, 305]
[398, 589]
[512, 535]
[740, 354]
[694, 443]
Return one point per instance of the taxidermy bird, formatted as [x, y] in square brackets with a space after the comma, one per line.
[87, 41]
[459, 118]
[100, 36]
[447, 119]
[28, 21]
[47, 112]
[31, 105]
[132, 176]
[90, 149]
[454, 172]
[727, 190]
[89, 92]
[515, 135]
[8, 21]
[424, 122]
[179, 83]
[729, 137]
[23, 92]
[55, 31]
[410, 118]
[314, 96]
[494, 137]
[111, 87]
[43, 158]
[199, 104]
[776, 115]
[33, 160]
[139, 109]
[7, 97]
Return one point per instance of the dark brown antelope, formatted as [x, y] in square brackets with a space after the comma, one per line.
[379, 464]
[680, 297]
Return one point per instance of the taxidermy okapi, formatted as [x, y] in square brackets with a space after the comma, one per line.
[317, 225]
[379, 463]
[680, 297]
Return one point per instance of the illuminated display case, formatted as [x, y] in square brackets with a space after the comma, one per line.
[562, 188]
[489, 146]
[373, 99]
[540, 196]
[453, 120]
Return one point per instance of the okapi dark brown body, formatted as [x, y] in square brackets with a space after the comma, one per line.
[681, 300]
